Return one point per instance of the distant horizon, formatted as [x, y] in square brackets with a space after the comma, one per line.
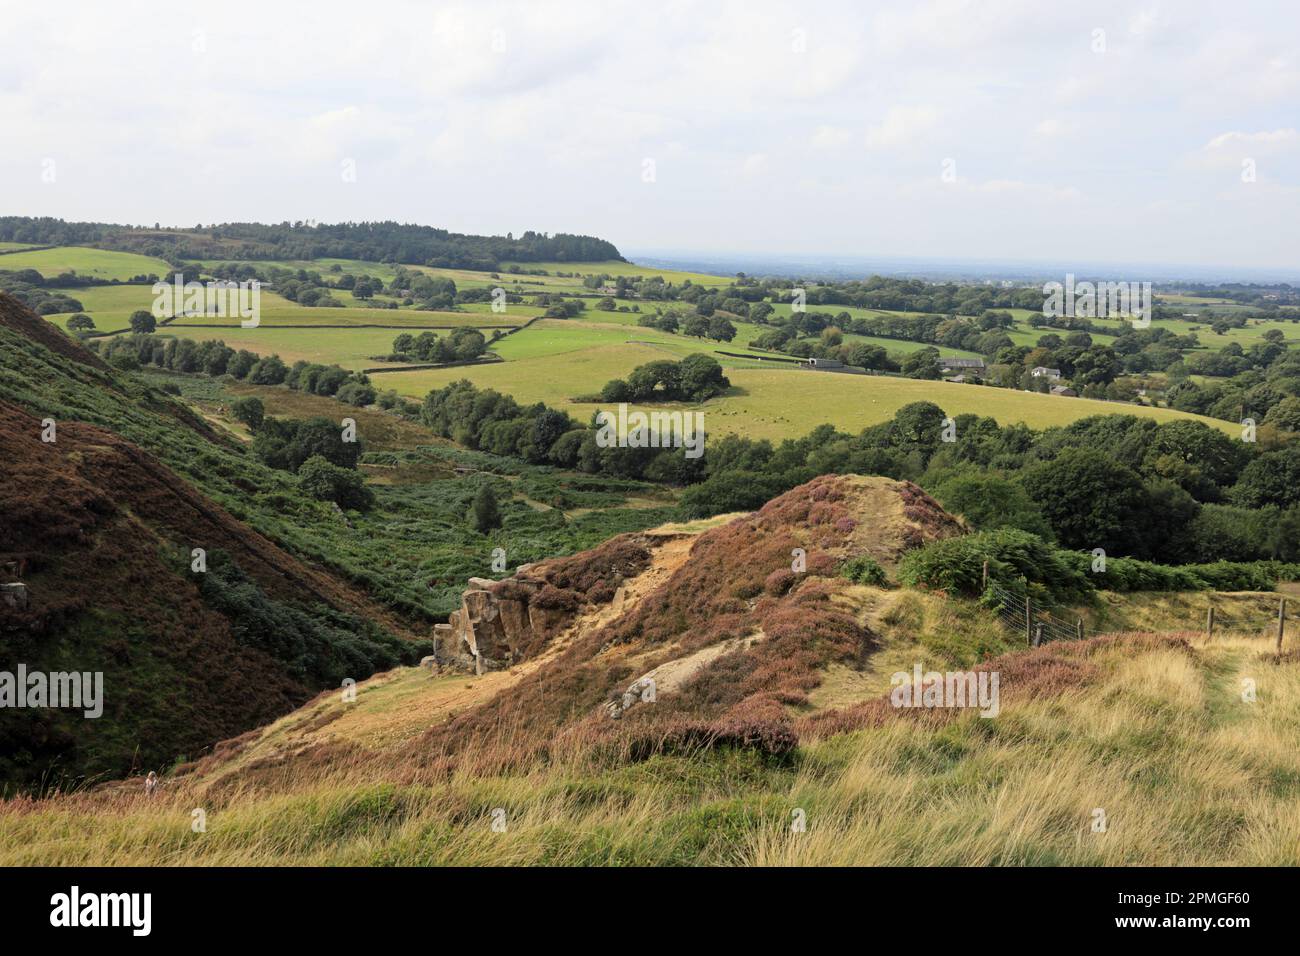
[839, 265]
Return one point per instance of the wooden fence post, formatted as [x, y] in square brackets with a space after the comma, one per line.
[1029, 619]
[1209, 623]
[1281, 623]
[985, 582]
[1078, 629]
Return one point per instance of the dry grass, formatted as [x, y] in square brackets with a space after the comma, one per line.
[1159, 739]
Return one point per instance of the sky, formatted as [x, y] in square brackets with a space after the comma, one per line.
[1100, 131]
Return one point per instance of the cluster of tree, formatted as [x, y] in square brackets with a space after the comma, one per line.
[326, 469]
[213, 357]
[462, 345]
[426, 291]
[372, 241]
[876, 292]
[715, 327]
[288, 443]
[1265, 393]
[1176, 492]
[29, 287]
[1262, 295]
[670, 321]
[1180, 491]
[821, 335]
[695, 378]
[486, 420]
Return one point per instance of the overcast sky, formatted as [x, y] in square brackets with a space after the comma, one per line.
[1099, 131]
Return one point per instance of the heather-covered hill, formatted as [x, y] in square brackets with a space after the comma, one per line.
[736, 640]
[99, 526]
[101, 535]
[772, 739]
[751, 615]
[98, 533]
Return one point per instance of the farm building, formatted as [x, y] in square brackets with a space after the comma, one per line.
[1052, 374]
[965, 364]
[1064, 390]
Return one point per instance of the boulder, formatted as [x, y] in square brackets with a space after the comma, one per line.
[13, 596]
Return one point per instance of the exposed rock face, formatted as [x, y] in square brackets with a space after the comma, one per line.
[496, 623]
[14, 596]
[502, 622]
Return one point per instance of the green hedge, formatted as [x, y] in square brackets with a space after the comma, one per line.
[1016, 557]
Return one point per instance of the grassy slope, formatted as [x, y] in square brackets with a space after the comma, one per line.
[85, 261]
[1158, 738]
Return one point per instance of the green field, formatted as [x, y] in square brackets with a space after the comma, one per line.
[557, 360]
[613, 268]
[99, 263]
[553, 362]
[111, 308]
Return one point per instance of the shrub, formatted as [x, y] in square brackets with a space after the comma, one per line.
[957, 564]
[864, 570]
[357, 393]
[778, 582]
[250, 411]
[328, 482]
[485, 514]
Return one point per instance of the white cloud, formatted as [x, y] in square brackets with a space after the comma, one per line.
[903, 126]
[1053, 128]
[830, 137]
[1269, 140]
[490, 116]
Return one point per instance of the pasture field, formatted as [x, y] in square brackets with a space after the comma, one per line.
[351, 348]
[15, 246]
[84, 261]
[111, 308]
[612, 268]
[356, 267]
[109, 305]
[555, 361]
[746, 332]
[473, 279]
[553, 365]
[1252, 333]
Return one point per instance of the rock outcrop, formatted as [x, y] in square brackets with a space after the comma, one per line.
[496, 623]
[502, 622]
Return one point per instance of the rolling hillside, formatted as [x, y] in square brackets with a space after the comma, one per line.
[771, 738]
[555, 361]
[101, 534]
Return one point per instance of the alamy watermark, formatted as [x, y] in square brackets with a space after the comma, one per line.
[659, 429]
[57, 689]
[220, 299]
[129, 910]
[1092, 300]
[931, 689]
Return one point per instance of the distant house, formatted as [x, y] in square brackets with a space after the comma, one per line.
[1064, 390]
[824, 363]
[608, 290]
[973, 364]
[1054, 374]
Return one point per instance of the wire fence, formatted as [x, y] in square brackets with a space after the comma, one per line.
[1035, 622]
